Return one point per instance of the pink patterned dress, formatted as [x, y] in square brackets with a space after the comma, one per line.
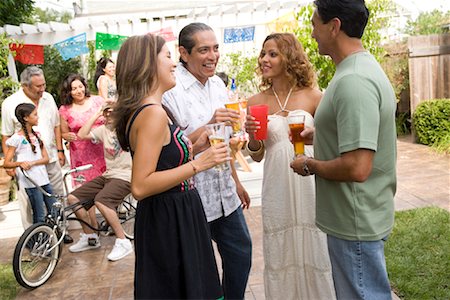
[84, 152]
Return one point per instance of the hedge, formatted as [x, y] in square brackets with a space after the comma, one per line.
[431, 121]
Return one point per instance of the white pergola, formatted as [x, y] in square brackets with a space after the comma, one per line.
[144, 18]
[140, 17]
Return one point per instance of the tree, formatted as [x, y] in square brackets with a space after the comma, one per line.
[371, 39]
[7, 85]
[45, 16]
[428, 23]
[15, 12]
[242, 68]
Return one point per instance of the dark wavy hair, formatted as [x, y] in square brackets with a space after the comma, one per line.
[294, 60]
[66, 88]
[101, 64]
[353, 14]
[136, 76]
[22, 111]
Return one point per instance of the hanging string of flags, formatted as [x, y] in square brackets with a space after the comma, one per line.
[77, 45]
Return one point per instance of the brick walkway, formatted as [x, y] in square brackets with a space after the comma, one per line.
[423, 180]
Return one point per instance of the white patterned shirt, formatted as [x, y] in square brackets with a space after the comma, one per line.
[193, 105]
[48, 119]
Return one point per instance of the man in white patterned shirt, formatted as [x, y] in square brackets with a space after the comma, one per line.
[33, 91]
[198, 99]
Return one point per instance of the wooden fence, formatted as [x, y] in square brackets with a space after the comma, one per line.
[429, 68]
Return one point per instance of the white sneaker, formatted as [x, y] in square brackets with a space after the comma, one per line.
[122, 248]
[86, 242]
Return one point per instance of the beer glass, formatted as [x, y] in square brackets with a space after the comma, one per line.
[296, 126]
[216, 134]
[236, 124]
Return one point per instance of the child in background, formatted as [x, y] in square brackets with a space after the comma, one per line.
[32, 157]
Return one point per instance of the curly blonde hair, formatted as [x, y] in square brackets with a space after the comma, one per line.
[295, 62]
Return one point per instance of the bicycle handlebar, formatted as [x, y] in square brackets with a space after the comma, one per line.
[77, 169]
[80, 168]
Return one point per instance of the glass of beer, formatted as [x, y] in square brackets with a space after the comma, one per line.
[216, 134]
[296, 126]
[236, 124]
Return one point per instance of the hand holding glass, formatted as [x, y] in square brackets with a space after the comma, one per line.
[236, 124]
[259, 112]
[296, 126]
[216, 135]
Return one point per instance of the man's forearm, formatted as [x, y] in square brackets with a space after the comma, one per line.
[58, 137]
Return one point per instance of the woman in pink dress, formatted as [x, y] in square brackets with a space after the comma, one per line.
[77, 106]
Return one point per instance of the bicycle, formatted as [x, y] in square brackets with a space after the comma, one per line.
[39, 248]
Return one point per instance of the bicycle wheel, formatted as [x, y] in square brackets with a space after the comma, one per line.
[127, 212]
[33, 262]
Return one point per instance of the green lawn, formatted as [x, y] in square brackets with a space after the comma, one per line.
[8, 284]
[418, 254]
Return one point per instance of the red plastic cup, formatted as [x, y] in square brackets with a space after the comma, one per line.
[259, 112]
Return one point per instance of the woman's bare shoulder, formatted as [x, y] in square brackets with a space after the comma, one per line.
[259, 98]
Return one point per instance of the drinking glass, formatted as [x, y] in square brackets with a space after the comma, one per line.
[236, 124]
[217, 134]
[259, 112]
[296, 126]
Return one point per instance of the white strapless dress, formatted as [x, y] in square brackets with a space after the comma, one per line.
[297, 264]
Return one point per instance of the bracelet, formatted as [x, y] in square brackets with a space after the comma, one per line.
[255, 152]
[305, 167]
[193, 167]
[60, 150]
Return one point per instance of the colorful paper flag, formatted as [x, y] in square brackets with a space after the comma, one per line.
[28, 54]
[72, 47]
[234, 35]
[166, 33]
[106, 41]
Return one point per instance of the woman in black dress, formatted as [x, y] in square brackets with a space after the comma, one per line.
[174, 254]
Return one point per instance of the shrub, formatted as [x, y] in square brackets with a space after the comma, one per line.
[431, 121]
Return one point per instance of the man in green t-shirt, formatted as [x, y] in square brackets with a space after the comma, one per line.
[355, 153]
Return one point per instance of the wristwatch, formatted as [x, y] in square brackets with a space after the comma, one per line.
[305, 167]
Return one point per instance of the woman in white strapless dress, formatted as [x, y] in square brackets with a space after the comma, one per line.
[296, 261]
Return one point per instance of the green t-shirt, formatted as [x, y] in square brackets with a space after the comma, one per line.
[357, 112]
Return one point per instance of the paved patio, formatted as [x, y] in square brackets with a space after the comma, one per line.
[423, 180]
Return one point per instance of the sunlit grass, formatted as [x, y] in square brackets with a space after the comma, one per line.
[8, 284]
[418, 254]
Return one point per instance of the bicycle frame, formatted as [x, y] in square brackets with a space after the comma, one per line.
[61, 200]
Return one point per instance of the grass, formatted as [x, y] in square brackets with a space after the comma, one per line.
[418, 254]
[8, 284]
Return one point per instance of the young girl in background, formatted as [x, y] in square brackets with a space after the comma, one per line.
[31, 157]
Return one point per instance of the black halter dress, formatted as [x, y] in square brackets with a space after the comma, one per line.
[174, 254]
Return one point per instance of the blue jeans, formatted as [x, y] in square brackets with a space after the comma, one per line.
[39, 202]
[359, 269]
[235, 248]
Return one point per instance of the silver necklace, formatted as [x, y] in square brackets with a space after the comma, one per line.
[283, 107]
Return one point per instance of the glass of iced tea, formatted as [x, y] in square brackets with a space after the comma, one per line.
[296, 126]
[216, 134]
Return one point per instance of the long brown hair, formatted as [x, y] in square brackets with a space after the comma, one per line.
[136, 77]
[22, 111]
[295, 62]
